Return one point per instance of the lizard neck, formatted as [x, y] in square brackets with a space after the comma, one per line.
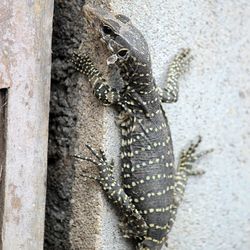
[140, 95]
[136, 75]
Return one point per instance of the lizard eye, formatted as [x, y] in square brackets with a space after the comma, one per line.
[107, 30]
[122, 53]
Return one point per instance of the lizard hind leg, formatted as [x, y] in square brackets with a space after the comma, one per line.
[116, 194]
[105, 168]
[188, 157]
[101, 158]
[185, 168]
[130, 228]
[177, 67]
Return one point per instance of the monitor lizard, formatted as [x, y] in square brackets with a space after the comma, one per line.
[152, 187]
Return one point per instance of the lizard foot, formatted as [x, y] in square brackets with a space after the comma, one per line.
[101, 162]
[189, 156]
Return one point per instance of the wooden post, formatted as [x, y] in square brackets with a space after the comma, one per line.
[25, 63]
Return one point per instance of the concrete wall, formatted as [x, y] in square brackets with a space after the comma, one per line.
[214, 102]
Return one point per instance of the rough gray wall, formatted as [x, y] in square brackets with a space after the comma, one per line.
[73, 203]
[62, 128]
[214, 102]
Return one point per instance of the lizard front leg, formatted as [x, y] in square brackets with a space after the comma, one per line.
[136, 226]
[176, 69]
[101, 89]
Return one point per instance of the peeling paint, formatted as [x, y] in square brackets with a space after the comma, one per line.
[15, 200]
[5, 77]
[5, 14]
[38, 8]
[16, 203]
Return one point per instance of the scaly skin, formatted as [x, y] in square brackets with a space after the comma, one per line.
[152, 188]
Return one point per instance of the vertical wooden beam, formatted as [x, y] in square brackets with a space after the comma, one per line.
[25, 64]
[3, 103]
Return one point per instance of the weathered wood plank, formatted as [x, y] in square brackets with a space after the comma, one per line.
[25, 59]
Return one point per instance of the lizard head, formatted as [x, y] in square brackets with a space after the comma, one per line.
[122, 39]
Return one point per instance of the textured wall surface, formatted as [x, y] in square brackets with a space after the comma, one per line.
[74, 204]
[214, 102]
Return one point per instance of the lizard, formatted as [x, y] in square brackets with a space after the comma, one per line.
[152, 187]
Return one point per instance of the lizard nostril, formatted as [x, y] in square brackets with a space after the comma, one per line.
[122, 53]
